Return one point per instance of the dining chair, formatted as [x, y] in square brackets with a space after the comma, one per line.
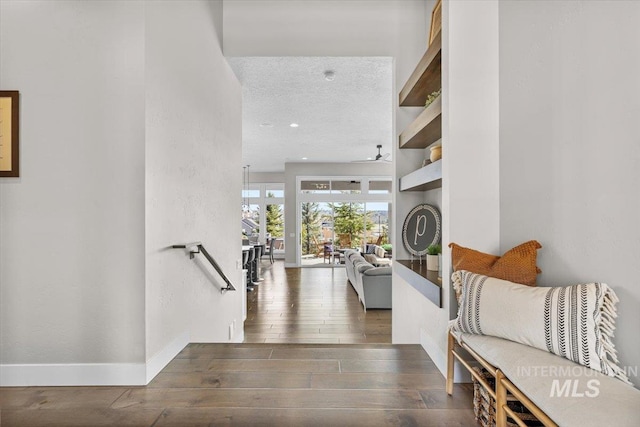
[328, 252]
[272, 243]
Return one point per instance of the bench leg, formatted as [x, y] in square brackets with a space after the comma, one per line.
[501, 400]
[450, 366]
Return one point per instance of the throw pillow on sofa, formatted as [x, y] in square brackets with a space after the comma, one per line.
[379, 252]
[371, 259]
[576, 322]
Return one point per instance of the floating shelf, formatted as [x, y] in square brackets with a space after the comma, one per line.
[425, 129]
[426, 78]
[424, 281]
[426, 178]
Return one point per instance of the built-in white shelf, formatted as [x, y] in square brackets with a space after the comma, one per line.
[425, 178]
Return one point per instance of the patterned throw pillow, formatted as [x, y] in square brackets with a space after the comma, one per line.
[371, 259]
[576, 322]
[516, 265]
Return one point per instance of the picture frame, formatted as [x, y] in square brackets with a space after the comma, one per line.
[436, 21]
[421, 228]
[9, 134]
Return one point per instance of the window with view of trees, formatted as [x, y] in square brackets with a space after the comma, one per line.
[275, 219]
[311, 225]
[263, 214]
[350, 221]
[340, 213]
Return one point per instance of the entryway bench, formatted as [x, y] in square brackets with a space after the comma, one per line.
[556, 390]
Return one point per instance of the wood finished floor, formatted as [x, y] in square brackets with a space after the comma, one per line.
[268, 384]
[311, 306]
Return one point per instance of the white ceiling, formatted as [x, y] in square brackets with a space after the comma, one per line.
[339, 121]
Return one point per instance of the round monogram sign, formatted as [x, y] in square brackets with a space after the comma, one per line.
[421, 229]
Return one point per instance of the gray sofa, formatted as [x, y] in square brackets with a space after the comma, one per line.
[372, 284]
[378, 256]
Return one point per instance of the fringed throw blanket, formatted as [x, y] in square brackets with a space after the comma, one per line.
[576, 322]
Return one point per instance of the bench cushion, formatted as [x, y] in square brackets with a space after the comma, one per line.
[570, 394]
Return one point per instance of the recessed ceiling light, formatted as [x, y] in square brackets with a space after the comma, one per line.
[369, 158]
[266, 125]
[329, 75]
[304, 158]
[294, 125]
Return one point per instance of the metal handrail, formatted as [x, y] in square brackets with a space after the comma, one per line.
[196, 248]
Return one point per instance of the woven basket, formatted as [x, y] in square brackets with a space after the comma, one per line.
[484, 406]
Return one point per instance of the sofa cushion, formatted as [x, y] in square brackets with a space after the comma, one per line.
[348, 254]
[576, 322]
[516, 265]
[361, 267]
[380, 253]
[572, 395]
[357, 258]
[378, 271]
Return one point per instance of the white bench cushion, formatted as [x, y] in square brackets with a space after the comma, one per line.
[541, 376]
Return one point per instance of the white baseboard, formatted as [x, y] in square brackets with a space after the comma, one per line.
[72, 374]
[159, 360]
[290, 265]
[460, 375]
[91, 374]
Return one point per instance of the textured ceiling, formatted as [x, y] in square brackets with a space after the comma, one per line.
[339, 121]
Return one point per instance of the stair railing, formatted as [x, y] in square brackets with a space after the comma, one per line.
[197, 248]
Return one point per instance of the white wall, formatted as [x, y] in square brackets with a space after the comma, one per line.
[193, 181]
[266, 177]
[321, 28]
[72, 226]
[570, 146]
[130, 142]
[470, 190]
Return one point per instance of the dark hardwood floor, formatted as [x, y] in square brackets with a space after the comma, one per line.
[311, 306]
[270, 384]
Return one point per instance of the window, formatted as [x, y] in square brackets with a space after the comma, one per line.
[346, 187]
[315, 187]
[379, 187]
[345, 212]
[263, 214]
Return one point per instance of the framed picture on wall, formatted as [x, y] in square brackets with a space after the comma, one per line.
[421, 229]
[9, 133]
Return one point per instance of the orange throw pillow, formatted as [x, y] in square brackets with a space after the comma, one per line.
[516, 265]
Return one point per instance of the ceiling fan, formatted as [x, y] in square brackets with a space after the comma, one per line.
[379, 157]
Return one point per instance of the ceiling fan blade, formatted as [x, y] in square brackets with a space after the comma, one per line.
[379, 157]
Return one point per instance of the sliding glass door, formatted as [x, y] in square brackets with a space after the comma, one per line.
[339, 214]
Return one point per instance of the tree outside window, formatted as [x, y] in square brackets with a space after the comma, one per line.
[350, 223]
[310, 227]
[275, 219]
